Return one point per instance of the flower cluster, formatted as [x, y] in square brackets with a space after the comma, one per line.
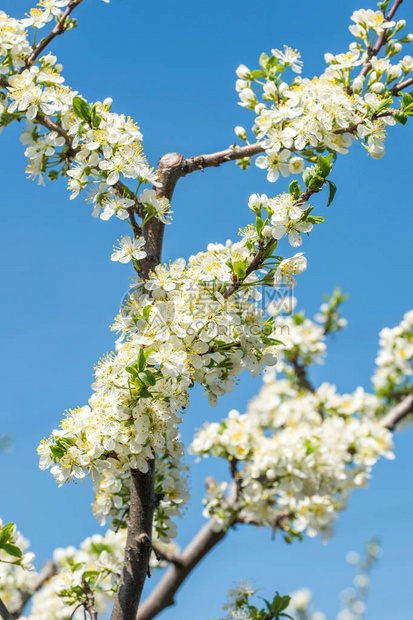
[14, 46]
[300, 464]
[328, 112]
[16, 569]
[393, 375]
[239, 606]
[354, 599]
[177, 328]
[92, 146]
[298, 451]
[95, 565]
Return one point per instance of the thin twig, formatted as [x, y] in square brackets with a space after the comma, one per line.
[257, 261]
[399, 87]
[49, 569]
[381, 40]
[81, 604]
[302, 378]
[59, 29]
[167, 556]
[397, 413]
[89, 601]
[236, 475]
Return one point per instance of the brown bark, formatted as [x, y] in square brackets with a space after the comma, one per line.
[163, 595]
[48, 570]
[4, 612]
[138, 544]
[397, 413]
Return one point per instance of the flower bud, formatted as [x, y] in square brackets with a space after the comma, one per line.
[357, 84]
[241, 133]
[377, 87]
[400, 25]
[406, 63]
[394, 72]
[267, 232]
[243, 72]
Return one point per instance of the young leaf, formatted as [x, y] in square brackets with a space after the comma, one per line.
[6, 533]
[131, 370]
[307, 176]
[400, 117]
[81, 108]
[332, 192]
[240, 268]
[147, 377]
[141, 360]
[315, 219]
[259, 225]
[324, 165]
[407, 100]
[12, 550]
[263, 61]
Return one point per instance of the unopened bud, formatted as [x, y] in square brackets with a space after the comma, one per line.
[377, 87]
[400, 25]
[241, 133]
[243, 72]
[357, 84]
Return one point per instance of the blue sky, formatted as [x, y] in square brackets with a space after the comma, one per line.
[172, 69]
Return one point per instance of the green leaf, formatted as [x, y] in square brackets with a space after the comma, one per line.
[279, 603]
[315, 219]
[81, 108]
[259, 225]
[272, 63]
[332, 192]
[141, 360]
[400, 117]
[12, 550]
[257, 73]
[64, 442]
[6, 533]
[295, 190]
[95, 118]
[146, 312]
[240, 268]
[131, 370]
[147, 377]
[324, 165]
[57, 451]
[407, 100]
[316, 182]
[263, 61]
[144, 393]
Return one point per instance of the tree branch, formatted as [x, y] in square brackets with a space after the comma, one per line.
[301, 374]
[138, 544]
[57, 30]
[49, 569]
[381, 40]
[4, 612]
[89, 601]
[256, 262]
[163, 594]
[167, 556]
[397, 413]
[396, 89]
